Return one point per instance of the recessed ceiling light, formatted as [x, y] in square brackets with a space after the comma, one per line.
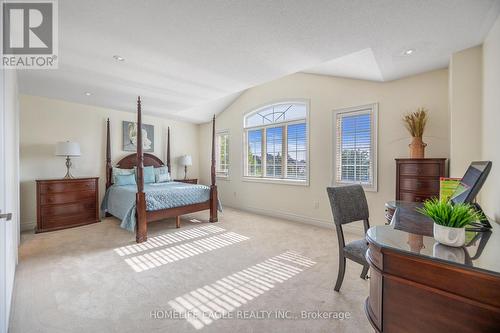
[88, 93]
[408, 52]
[118, 58]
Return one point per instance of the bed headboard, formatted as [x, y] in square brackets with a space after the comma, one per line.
[130, 161]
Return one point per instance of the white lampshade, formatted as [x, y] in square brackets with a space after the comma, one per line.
[186, 160]
[67, 149]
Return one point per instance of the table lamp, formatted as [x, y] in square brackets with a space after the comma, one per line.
[68, 149]
[186, 161]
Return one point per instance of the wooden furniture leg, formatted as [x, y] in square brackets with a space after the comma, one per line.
[364, 272]
[340, 276]
[141, 234]
[177, 221]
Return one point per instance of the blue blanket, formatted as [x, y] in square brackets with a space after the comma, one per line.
[119, 201]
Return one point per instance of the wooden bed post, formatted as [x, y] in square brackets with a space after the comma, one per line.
[142, 226]
[109, 168]
[177, 218]
[213, 186]
[168, 151]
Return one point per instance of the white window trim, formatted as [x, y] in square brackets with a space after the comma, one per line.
[280, 181]
[374, 122]
[217, 175]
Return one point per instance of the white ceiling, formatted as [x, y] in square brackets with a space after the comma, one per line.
[358, 65]
[190, 59]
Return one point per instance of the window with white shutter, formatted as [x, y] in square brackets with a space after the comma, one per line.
[355, 133]
[276, 143]
[222, 155]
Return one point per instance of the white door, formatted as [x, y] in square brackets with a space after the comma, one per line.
[9, 191]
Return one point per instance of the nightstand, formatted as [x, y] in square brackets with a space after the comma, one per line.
[66, 203]
[189, 180]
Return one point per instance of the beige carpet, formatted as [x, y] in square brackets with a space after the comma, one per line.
[247, 273]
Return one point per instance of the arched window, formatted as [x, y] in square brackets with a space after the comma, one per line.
[276, 142]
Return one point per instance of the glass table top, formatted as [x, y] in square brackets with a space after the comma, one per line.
[411, 232]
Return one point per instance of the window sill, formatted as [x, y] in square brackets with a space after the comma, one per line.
[223, 178]
[276, 181]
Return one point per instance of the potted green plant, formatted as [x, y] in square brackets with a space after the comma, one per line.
[450, 220]
[415, 124]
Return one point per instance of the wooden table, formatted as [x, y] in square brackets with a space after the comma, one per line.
[419, 285]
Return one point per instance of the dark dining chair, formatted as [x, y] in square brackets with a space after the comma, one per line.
[349, 205]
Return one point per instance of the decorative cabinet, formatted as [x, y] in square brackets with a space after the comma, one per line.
[66, 203]
[418, 179]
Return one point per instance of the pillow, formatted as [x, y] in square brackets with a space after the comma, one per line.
[118, 171]
[148, 173]
[161, 170]
[162, 178]
[121, 180]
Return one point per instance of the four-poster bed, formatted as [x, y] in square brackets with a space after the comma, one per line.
[139, 160]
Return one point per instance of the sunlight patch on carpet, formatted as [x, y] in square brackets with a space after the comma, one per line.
[182, 251]
[168, 238]
[203, 306]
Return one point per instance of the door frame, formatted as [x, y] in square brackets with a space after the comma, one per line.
[3, 226]
[9, 191]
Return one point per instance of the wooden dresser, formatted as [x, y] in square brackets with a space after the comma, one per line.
[418, 179]
[66, 203]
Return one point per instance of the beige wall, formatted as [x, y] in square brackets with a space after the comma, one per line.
[490, 196]
[465, 109]
[325, 94]
[46, 121]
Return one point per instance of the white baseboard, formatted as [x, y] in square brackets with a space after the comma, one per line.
[27, 226]
[355, 229]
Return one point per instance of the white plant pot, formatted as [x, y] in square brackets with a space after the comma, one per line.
[449, 236]
[455, 254]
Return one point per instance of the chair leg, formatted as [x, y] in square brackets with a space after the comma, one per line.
[340, 276]
[364, 273]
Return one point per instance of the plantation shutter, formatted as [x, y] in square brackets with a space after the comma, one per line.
[354, 149]
[297, 151]
[222, 154]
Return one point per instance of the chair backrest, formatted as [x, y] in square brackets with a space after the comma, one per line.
[348, 204]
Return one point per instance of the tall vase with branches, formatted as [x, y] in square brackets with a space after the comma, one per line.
[415, 124]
